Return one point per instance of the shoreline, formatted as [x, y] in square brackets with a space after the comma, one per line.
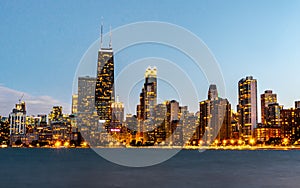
[226, 148]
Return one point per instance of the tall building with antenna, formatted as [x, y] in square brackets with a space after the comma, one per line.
[17, 119]
[104, 90]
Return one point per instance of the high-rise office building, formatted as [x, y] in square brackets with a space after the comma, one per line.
[117, 111]
[215, 118]
[86, 95]
[104, 91]
[74, 103]
[17, 119]
[290, 123]
[148, 96]
[87, 117]
[235, 125]
[146, 108]
[173, 127]
[160, 117]
[266, 99]
[247, 106]
[273, 115]
[212, 92]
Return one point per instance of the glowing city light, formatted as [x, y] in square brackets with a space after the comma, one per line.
[57, 144]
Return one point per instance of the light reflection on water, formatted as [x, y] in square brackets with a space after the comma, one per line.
[83, 168]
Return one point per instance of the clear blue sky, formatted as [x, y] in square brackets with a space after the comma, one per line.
[42, 42]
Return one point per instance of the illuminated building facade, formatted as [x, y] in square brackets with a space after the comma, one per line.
[86, 111]
[17, 119]
[146, 107]
[267, 134]
[86, 95]
[56, 114]
[60, 124]
[266, 99]
[204, 120]
[160, 116]
[190, 133]
[117, 111]
[235, 125]
[148, 96]
[87, 117]
[4, 131]
[104, 91]
[272, 117]
[173, 127]
[131, 122]
[290, 124]
[74, 103]
[247, 106]
[215, 118]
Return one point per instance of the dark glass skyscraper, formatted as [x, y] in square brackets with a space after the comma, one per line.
[266, 99]
[212, 92]
[104, 90]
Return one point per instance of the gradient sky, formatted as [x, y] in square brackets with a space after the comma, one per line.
[42, 42]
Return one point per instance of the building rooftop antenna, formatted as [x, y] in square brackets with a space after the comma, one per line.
[110, 35]
[20, 99]
[101, 32]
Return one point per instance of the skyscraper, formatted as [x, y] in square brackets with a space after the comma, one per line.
[290, 124]
[212, 92]
[148, 96]
[215, 117]
[273, 115]
[104, 91]
[117, 111]
[146, 107]
[266, 99]
[17, 119]
[86, 95]
[74, 104]
[17, 123]
[173, 127]
[247, 106]
[86, 116]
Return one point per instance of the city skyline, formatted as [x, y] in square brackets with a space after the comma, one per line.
[245, 56]
[170, 93]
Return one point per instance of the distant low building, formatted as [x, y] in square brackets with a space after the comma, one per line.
[267, 134]
[290, 124]
[4, 131]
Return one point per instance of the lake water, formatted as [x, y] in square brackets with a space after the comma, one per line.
[52, 168]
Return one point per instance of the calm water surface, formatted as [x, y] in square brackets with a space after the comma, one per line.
[52, 168]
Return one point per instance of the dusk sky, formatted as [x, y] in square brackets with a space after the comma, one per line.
[42, 43]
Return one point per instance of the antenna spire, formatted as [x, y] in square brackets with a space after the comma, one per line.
[101, 33]
[110, 36]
